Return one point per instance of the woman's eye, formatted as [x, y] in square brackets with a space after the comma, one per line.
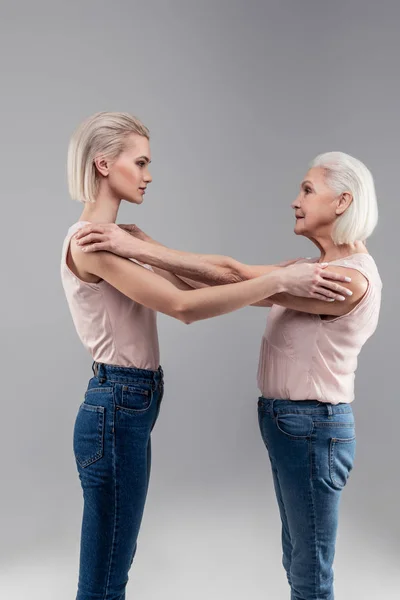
[307, 190]
[141, 164]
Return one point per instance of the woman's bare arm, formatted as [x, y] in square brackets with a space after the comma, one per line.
[211, 269]
[216, 269]
[157, 293]
[358, 288]
[208, 269]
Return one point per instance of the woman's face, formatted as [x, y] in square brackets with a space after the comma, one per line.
[316, 207]
[128, 176]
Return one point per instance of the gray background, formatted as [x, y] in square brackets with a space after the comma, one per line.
[239, 96]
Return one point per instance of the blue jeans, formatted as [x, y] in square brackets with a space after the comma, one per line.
[311, 447]
[112, 450]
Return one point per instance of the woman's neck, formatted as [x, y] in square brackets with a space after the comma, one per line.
[103, 210]
[329, 251]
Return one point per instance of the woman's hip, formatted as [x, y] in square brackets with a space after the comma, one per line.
[309, 439]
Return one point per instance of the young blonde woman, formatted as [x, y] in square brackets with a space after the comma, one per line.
[308, 357]
[113, 303]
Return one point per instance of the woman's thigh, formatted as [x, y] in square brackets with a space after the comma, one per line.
[312, 452]
[112, 452]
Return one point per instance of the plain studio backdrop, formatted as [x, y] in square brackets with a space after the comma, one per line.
[239, 96]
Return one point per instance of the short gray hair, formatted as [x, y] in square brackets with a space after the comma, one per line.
[103, 133]
[344, 173]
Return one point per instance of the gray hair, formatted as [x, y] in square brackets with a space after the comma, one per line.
[345, 173]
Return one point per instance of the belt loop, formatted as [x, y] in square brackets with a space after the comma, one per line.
[273, 408]
[100, 373]
[329, 407]
[94, 368]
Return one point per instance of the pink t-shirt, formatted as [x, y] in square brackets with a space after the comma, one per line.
[112, 327]
[306, 357]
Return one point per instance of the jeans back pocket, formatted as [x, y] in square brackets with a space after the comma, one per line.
[88, 440]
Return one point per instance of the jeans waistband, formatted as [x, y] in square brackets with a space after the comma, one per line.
[312, 407]
[117, 374]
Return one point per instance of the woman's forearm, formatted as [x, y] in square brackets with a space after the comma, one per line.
[205, 303]
[309, 280]
[129, 241]
[211, 269]
[161, 295]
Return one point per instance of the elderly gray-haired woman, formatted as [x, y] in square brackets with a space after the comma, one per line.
[308, 356]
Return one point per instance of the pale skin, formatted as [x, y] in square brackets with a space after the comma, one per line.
[162, 290]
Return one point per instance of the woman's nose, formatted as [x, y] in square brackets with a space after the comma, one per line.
[296, 203]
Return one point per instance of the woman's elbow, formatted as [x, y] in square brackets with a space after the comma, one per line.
[187, 320]
[184, 312]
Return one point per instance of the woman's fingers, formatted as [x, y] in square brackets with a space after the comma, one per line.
[96, 247]
[328, 294]
[90, 238]
[326, 274]
[93, 242]
[287, 263]
[92, 228]
[322, 297]
[326, 284]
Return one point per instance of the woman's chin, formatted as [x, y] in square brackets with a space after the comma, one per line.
[136, 200]
[298, 229]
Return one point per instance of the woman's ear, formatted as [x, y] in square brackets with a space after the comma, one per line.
[344, 202]
[102, 165]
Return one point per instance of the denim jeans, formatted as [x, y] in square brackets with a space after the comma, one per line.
[311, 447]
[111, 444]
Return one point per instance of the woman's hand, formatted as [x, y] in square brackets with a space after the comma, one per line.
[286, 263]
[134, 230]
[314, 280]
[110, 237]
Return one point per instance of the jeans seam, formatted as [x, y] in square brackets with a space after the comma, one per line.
[310, 411]
[115, 517]
[314, 520]
[99, 390]
[333, 424]
[287, 526]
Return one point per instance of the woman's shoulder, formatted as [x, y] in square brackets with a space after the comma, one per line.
[308, 259]
[362, 262]
[75, 227]
[73, 259]
[358, 258]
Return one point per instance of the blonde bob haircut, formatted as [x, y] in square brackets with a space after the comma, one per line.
[343, 173]
[101, 134]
